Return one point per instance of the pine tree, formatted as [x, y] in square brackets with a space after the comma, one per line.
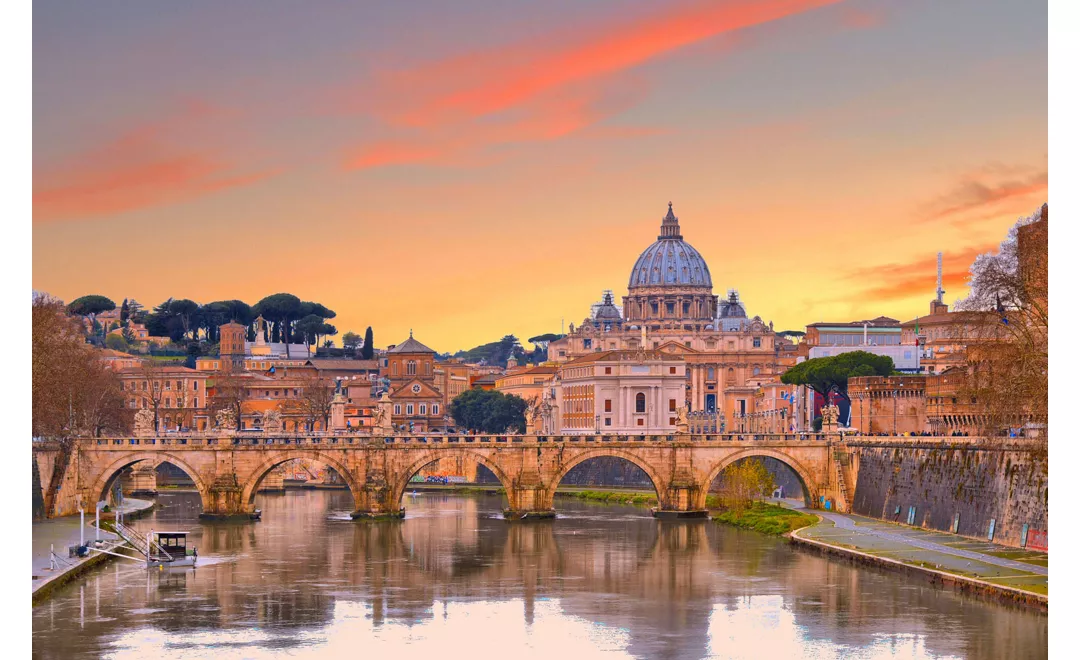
[125, 311]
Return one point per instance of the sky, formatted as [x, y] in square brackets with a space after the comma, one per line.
[483, 167]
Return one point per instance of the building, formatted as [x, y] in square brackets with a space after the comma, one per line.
[452, 378]
[528, 383]
[888, 404]
[619, 392]
[670, 307]
[176, 395]
[880, 336]
[418, 406]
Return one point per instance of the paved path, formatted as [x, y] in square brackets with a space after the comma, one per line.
[846, 522]
[63, 532]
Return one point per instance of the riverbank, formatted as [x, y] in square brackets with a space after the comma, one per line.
[945, 560]
[58, 534]
[770, 519]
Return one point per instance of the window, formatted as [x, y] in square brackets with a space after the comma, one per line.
[710, 374]
[157, 385]
[607, 421]
[562, 353]
[640, 422]
[168, 385]
[397, 408]
[671, 370]
[757, 342]
[671, 421]
[409, 409]
[195, 402]
[671, 405]
[195, 385]
[410, 368]
[587, 343]
[671, 308]
[434, 409]
[607, 405]
[393, 369]
[639, 402]
[607, 371]
[134, 403]
[427, 368]
[757, 370]
[423, 408]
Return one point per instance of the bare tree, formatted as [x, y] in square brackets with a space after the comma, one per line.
[230, 392]
[314, 401]
[1005, 322]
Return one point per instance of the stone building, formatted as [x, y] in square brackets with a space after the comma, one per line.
[619, 392]
[889, 404]
[670, 307]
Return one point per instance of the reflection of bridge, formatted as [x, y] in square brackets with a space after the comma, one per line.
[228, 469]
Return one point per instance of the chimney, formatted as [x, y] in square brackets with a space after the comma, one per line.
[938, 307]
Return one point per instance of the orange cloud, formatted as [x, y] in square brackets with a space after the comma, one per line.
[903, 280]
[139, 169]
[543, 91]
[984, 191]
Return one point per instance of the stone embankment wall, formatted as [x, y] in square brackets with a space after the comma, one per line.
[1005, 486]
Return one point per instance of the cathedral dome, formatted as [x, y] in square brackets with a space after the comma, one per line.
[670, 261]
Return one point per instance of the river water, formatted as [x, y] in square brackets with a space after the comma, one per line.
[454, 580]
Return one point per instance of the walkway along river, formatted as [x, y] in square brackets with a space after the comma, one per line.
[454, 578]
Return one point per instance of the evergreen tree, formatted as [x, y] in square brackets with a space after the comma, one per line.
[368, 352]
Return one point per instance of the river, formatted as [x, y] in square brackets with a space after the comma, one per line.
[454, 580]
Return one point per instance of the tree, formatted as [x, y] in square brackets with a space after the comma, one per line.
[488, 411]
[1004, 322]
[125, 311]
[350, 341]
[368, 352]
[71, 391]
[230, 392]
[744, 481]
[494, 353]
[281, 310]
[830, 374]
[315, 399]
[116, 343]
[312, 327]
[90, 306]
[128, 335]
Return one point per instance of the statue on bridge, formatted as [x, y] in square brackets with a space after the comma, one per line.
[144, 422]
[534, 417]
[271, 420]
[383, 423]
[225, 419]
[682, 422]
[830, 416]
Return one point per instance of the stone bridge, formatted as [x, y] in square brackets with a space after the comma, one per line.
[228, 469]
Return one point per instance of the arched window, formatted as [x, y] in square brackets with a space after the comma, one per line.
[711, 374]
[423, 408]
[410, 368]
[397, 408]
[639, 402]
[393, 368]
[408, 409]
[434, 409]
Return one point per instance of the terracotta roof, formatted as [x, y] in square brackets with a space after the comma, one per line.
[879, 322]
[410, 345]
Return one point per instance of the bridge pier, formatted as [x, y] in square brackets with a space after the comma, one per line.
[529, 501]
[377, 501]
[225, 503]
[678, 500]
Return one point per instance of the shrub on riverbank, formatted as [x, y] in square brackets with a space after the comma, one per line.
[766, 518]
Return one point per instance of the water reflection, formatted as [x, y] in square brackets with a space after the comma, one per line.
[454, 578]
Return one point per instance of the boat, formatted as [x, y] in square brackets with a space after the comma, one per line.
[169, 549]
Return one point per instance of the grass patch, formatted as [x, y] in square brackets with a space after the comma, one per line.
[766, 518]
[633, 499]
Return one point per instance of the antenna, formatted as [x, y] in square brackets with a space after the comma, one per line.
[940, 291]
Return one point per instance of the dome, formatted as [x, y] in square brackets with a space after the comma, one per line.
[732, 308]
[606, 309]
[670, 261]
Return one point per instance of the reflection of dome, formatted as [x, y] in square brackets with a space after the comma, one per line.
[670, 261]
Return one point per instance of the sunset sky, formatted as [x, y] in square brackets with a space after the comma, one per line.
[475, 168]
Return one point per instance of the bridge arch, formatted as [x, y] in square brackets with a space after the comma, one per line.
[100, 487]
[400, 481]
[608, 452]
[804, 475]
[256, 476]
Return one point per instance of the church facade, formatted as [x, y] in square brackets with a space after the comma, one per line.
[670, 307]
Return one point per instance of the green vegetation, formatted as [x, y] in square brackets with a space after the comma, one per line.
[766, 518]
[488, 411]
[830, 374]
[495, 353]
